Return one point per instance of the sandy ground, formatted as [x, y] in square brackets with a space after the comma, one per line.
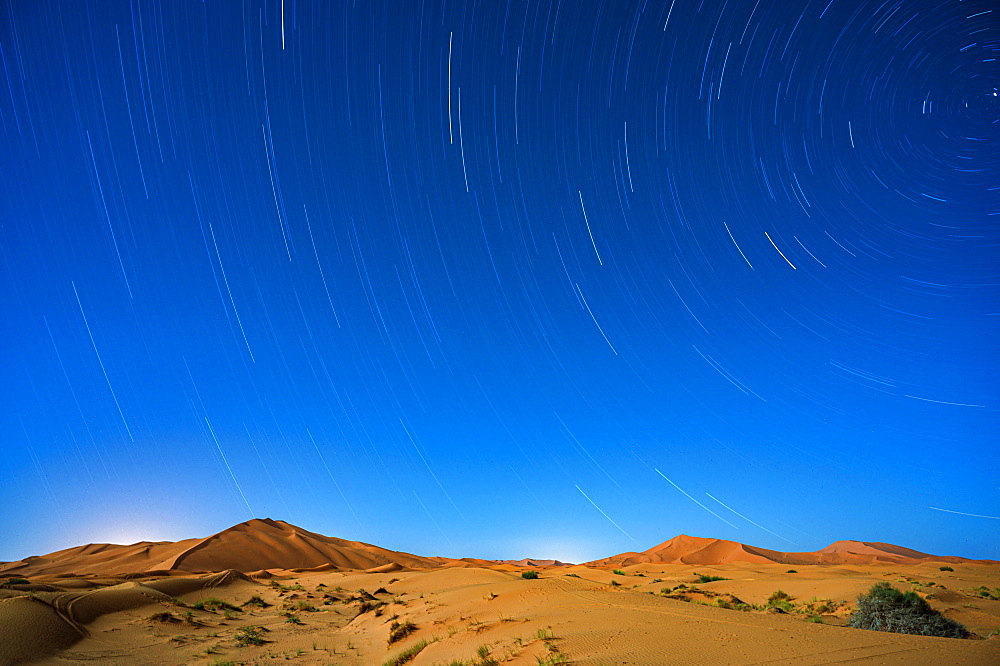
[480, 616]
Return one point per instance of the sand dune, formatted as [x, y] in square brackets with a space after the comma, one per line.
[251, 546]
[685, 549]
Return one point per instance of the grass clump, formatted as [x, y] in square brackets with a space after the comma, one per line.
[529, 575]
[709, 579]
[884, 608]
[256, 600]
[212, 604]
[945, 568]
[246, 636]
[619, 572]
[400, 630]
[407, 655]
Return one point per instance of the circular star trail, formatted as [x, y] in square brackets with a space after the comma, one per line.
[504, 278]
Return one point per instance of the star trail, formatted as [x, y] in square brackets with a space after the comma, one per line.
[501, 278]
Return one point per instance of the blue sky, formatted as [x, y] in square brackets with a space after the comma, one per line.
[501, 279]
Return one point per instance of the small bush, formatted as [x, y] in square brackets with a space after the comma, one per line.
[884, 608]
[615, 583]
[256, 600]
[791, 571]
[709, 579]
[406, 656]
[215, 604]
[945, 568]
[399, 631]
[529, 575]
[776, 596]
[249, 636]
[619, 572]
[17, 581]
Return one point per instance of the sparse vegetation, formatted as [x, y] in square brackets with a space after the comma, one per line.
[256, 600]
[884, 608]
[709, 579]
[17, 581]
[945, 568]
[400, 630]
[791, 571]
[212, 604]
[529, 575]
[407, 655]
[291, 618]
[246, 636]
[619, 572]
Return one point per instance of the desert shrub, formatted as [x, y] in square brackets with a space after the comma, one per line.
[407, 655]
[17, 581]
[709, 579]
[249, 636]
[256, 600]
[292, 618]
[398, 631]
[215, 604]
[816, 619]
[776, 596]
[985, 592]
[529, 575]
[791, 571]
[619, 572]
[615, 583]
[884, 608]
[945, 568]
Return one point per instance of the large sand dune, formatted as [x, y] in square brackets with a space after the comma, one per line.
[251, 546]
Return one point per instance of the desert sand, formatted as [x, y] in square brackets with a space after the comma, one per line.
[320, 600]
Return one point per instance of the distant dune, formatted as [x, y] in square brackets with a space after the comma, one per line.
[685, 549]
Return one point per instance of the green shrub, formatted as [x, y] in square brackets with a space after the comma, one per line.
[709, 579]
[529, 575]
[945, 568]
[619, 572]
[791, 571]
[256, 600]
[249, 636]
[776, 596]
[884, 608]
[399, 631]
[215, 604]
[17, 581]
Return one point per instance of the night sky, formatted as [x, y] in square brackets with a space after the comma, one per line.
[501, 279]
